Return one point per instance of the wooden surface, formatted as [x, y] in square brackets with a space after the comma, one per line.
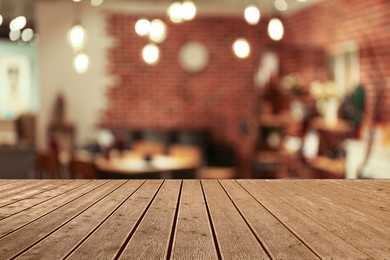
[195, 219]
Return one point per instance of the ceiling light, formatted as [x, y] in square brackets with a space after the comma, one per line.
[96, 2]
[241, 48]
[14, 35]
[151, 54]
[188, 10]
[275, 29]
[27, 35]
[157, 31]
[81, 62]
[18, 23]
[175, 11]
[281, 5]
[77, 37]
[142, 27]
[252, 14]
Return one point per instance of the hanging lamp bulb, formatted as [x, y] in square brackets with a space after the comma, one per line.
[151, 54]
[188, 10]
[252, 14]
[275, 29]
[81, 62]
[77, 37]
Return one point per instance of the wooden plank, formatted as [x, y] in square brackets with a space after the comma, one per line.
[5, 184]
[32, 213]
[234, 237]
[353, 227]
[151, 238]
[29, 193]
[78, 228]
[32, 233]
[276, 238]
[106, 241]
[7, 181]
[385, 183]
[378, 211]
[320, 240]
[12, 209]
[369, 193]
[21, 187]
[193, 237]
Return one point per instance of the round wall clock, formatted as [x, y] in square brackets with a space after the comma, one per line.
[193, 56]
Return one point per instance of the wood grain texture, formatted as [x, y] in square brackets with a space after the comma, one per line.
[27, 206]
[31, 192]
[33, 232]
[195, 219]
[349, 225]
[78, 228]
[20, 187]
[108, 239]
[277, 239]
[234, 237]
[320, 240]
[151, 239]
[379, 212]
[193, 237]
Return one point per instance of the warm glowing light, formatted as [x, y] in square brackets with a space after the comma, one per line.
[275, 29]
[14, 35]
[188, 10]
[281, 5]
[77, 37]
[241, 48]
[175, 11]
[252, 14]
[18, 23]
[27, 35]
[1, 19]
[142, 27]
[81, 62]
[76, 1]
[157, 31]
[96, 2]
[301, 0]
[151, 54]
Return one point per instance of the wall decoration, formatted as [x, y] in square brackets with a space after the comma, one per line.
[193, 57]
[15, 86]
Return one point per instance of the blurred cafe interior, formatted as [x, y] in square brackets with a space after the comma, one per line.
[194, 89]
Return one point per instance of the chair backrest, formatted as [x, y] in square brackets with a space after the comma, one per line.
[47, 163]
[84, 169]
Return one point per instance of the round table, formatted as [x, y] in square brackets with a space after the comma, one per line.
[139, 165]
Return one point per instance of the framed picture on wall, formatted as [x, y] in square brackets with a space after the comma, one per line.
[15, 86]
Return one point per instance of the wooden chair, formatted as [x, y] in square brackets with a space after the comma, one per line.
[82, 165]
[47, 165]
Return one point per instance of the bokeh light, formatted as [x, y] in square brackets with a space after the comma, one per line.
[241, 48]
[252, 14]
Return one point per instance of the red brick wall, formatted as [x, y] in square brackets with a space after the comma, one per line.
[165, 97]
[336, 21]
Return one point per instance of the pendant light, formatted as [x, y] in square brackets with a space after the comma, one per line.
[252, 14]
[77, 38]
[275, 29]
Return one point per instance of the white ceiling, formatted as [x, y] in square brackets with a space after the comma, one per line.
[12, 8]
